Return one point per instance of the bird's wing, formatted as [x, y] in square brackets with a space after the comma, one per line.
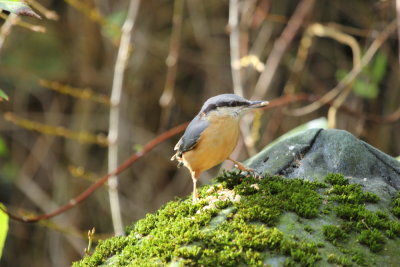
[191, 136]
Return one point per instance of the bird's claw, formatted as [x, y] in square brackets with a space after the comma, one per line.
[250, 171]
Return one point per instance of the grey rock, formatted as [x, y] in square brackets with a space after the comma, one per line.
[314, 153]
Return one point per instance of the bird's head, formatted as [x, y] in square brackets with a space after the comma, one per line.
[229, 105]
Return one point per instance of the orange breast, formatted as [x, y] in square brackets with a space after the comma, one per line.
[216, 143]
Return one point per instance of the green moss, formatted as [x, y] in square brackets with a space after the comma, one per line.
[373, 239]
[359, 258]
[308, 229]
[351, 194]
[340, 260]
[336, 179]
[242, 230]
[361, 218]
[104, 250]
[396, 205]
[350, 206]
[334, 233]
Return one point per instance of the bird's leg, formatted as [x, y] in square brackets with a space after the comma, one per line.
[240, 166]
[195, 194]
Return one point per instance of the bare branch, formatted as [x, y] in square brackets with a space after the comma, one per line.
[398, 25]
[167, 96]
[120, 65]
[350, 76]
[6, 27]
[280, 47]
[234, 41]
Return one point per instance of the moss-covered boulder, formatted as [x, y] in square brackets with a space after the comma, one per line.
[315, 153]
[315, 220]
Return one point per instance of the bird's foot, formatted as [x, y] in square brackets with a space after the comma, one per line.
[243, 168]
[195, 196]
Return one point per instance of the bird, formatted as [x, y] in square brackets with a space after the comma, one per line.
[212, 135]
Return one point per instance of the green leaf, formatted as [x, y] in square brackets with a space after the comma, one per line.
[3, 148]
[3, 228]
[112, 28]
[379, 67]
[3, 95]
[366, 89]
[18, 7]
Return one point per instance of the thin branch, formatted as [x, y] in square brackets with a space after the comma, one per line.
[280, 46]
[320, 30]
[49, 14]
[82, 93]
[234, 42]
[166, 99]
[6, 27]
[21, 23]
[398, 25]
[36, 159]
[120, 65]
[350, 77]
[83, 137]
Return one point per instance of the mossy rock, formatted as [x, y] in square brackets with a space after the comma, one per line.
[326, 220]
[314, 153]
[245, 221]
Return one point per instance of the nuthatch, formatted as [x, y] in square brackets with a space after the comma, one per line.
[212, 135]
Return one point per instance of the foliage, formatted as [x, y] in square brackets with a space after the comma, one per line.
[18, 7]
[367, 84]
[3, 148]
[373, 239]
[396, 205]
[334, 233]
[3, 229]
[3, 96]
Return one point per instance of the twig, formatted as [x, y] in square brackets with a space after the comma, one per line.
[166, 99]
[95, 15]
[280, 47]
[83, 137]
[398, 25]
[90, 236]
[6, 27]
[120, 65]
[350, 76]
[319, 30]
[32, 27]
[82, 93]
[85, 194]
[49, 14]
[234, 42]
[36, 159]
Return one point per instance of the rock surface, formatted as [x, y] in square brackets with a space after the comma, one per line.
[314, 153]
[334, 202]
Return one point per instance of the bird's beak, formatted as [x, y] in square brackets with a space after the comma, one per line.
[258, 104]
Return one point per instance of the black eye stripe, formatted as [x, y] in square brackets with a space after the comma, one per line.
[225, 104]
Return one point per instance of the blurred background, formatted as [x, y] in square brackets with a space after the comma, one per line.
[54, 127]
